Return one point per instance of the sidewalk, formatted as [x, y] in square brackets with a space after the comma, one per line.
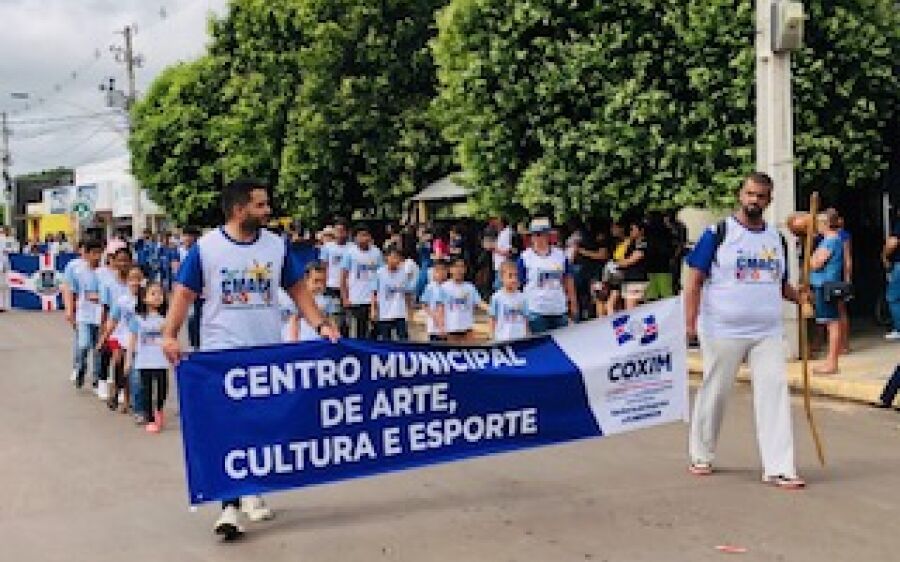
[863, 372]
[862, 376]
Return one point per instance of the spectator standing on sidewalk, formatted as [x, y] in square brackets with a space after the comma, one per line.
[890, 257]
[827, 264]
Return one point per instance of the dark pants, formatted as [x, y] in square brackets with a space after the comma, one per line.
[236, 502]
[541, 324]
[891, 388]
[358, 320]
[391, 330]
[340, 318]
[154, 379]
[105, 360]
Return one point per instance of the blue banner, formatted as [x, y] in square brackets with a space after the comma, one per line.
[263, 419]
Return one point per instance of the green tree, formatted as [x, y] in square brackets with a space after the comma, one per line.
[327, 100]
[582, 107]
[172, 155]
[361, 135]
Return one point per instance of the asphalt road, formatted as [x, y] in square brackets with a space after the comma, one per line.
[78, 483]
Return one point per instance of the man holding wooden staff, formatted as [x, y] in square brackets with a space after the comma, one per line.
[737, 280]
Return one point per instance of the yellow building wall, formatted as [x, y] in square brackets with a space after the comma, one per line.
[51, 224]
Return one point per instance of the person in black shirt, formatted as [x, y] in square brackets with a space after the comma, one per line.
[634, 266]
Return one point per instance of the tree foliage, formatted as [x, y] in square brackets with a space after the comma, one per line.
[328, 100]
[579, 107]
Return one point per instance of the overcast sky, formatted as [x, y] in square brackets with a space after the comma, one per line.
[43, 42]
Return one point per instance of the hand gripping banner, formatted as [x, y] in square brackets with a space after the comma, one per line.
[263, 419]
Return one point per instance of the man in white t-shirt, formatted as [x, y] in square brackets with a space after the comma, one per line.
[238, 267]
[737, 281]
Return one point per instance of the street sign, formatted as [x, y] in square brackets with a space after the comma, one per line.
[83, 209]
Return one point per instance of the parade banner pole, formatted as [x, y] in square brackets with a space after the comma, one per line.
[801, 318]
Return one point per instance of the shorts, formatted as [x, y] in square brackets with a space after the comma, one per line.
[825, 311]
[659, 286]
[635, 290]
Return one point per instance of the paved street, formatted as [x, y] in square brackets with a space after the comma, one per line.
[82, 484]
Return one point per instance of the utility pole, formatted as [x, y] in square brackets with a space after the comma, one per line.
[5, 162]
[131, 61]
[779, 29]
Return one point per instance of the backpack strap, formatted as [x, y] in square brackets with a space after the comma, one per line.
[719, 234]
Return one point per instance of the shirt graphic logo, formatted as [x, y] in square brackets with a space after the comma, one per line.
[248, 288]
[762, 266]
[626, 329]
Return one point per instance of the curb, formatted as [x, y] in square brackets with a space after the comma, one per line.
[837, 386]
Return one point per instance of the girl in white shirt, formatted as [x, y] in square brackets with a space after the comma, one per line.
[146, 355]
[460, 300]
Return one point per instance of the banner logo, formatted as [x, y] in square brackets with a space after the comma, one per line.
[626, 329]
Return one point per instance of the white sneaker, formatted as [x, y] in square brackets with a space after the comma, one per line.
[103, 390]
[255, 509]
[892, 336]
[227, 524]
[74, 376]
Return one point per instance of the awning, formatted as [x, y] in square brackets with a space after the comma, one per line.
[442, 190]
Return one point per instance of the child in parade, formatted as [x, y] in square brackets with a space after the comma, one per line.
[460, 300]
[117, 337]
[295, 327]
[508, 309]
[432, 300]
[393, 287]
[145, 353]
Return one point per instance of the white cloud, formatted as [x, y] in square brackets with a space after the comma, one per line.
[44, 41]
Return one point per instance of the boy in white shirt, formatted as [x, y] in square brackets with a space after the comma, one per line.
[508, 309]
[88, 312]
[361, 261]
[432, 300]
[460, 300]
[390, 300]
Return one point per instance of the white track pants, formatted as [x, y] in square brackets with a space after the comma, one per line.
[771, 401]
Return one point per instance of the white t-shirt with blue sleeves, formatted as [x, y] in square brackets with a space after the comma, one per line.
[544, 281]
[460, 300]
[510, 313]
[148, 354]
[391, 288]
[742, 294]
[432, 297]
[361, 267]
[239, 282]
[111, 290]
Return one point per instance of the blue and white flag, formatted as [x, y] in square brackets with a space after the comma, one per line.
[272, 418]
[34, 280]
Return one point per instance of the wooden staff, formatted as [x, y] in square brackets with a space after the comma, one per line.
[801, 318]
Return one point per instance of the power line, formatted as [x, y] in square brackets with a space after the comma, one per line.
[55, 119]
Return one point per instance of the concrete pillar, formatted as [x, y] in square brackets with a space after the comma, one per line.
[775, 145]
